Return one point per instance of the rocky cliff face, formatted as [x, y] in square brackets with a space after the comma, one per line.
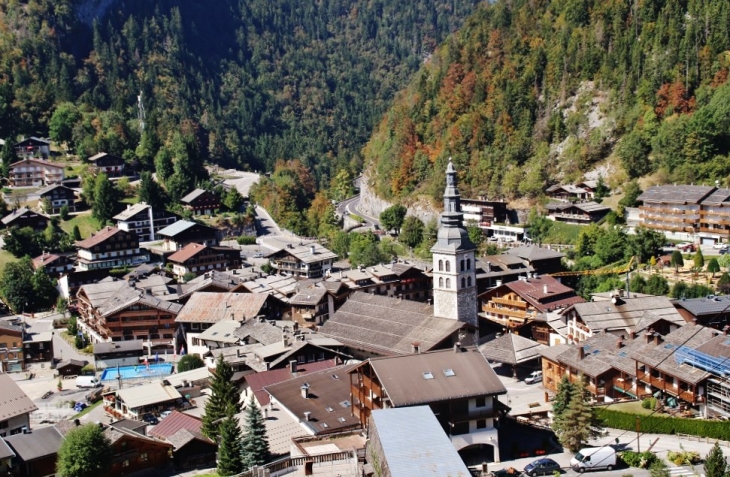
[89, 10]
[372, 205]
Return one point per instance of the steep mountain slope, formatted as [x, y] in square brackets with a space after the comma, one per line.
[249, 81]
[529, 92]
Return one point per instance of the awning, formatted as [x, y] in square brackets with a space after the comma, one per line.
[625, 392]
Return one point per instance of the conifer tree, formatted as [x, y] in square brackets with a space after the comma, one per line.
[105, 199]
[255, 442]
[230, 448]
[699, 259]
[76, 233]
[224, 394]
[577, 424]
[715, 463]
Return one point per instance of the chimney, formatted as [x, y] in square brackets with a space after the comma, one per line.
[648, 336]
[416, 347]
[306, 415]
[619, 343]
[232, 317]
[658, 339]
[286, 341]
[457, 347]
[305, 391]
[545, 289]
[311, 249]
[632, 335]
[581, 352]
[293, 366]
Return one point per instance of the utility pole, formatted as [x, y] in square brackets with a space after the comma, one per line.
[638, 434]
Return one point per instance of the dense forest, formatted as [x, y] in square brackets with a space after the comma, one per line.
[238, 83]
[532, 92]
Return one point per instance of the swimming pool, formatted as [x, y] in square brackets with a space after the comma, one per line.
[140, 371]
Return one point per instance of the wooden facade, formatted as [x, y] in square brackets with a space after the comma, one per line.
[134, 454]
[12, 358]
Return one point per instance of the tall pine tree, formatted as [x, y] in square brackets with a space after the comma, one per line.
[105, 199]
[577, 424]
[230, 447]
[224, 394]
[715, 463]
[255, 443]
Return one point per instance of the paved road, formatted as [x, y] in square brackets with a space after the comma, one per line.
[243, 181]
[350, 206]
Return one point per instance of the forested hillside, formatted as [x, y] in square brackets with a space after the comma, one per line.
[531, 92]
[241, 83]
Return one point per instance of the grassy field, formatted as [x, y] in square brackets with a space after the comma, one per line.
[87, 224]
[631, 407]
[562, 233]
[5, 258]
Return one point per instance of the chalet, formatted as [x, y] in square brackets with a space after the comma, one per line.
[525, 302]
[303, 348]
[427, 451]
[109, 164]
[513, 350]
[55, 264]
[458, 385]
[311, 306]
[570, 192]
[484, 212]
[70, 367]
[110, 248]
[688, 365]
[622, 315]
[372, 325]
[34, 173]
[35, 451]
[712, 311]
[70, 282]
[33, 147]
[190, 448]
[581, 213]
[212, 281]
[542, 260]
[319, 401]
[495, 270]
[183, 232]
[135, 401]
[56, 196]
[197, 259]
[255, 383]
[25, 217]
[309, 261]
[38, 347]
[118, 353]
[12, 358]
[15, 407]
[390, 279]
[201, 201]
[602, 363]
[115, 311]
[203, 310]
[144, 221]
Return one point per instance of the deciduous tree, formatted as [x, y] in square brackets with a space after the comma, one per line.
[189, 362]
[85, 452]
[392, 218]
[412, 232]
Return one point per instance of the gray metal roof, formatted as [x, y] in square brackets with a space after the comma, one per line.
[414, 444]
[512, 349]
[176, 228]
[193, 195]
[533, 252]
[705, 306]
[118, 346]
[5, 450]
[131, 211]
[676, 194]
[38, 443]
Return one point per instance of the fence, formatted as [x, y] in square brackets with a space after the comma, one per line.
[289, 464]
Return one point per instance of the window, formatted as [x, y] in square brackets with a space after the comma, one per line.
[463, 282]
[448, 266]
[4, 425]
[468, 263]
[462, 264]
[441, 282]
[143, 457]
[441, 265]
[481, 423]
[481, 402]
[448, 281]
[468, 281]
[125, 463]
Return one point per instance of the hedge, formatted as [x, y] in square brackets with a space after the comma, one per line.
[664, 425]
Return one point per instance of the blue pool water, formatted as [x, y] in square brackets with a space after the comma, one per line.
[141, 371]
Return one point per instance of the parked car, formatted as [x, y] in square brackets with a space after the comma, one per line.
[87, 382]
[164, 414]
[534, 377]
[719, 245]
[723, 251]
[258, 255]
[686, 247]
[80, 406]
[541, 466]
[594, 458]
[150, 419]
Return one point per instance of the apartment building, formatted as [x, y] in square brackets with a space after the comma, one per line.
[110, 248]
[33, 172]
[144, 221]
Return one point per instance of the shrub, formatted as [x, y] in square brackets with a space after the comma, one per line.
[642, 460]
[684, 457]
[664, 425]
[648, 403]
[246, 240]
[88, 370]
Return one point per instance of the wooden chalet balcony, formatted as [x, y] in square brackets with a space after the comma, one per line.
[714, 220]
[372, 385]
[505, 301]
[473, 415]
[715, 213]
[520, 315]
[670, 228]
[624, 384]
[715, 231]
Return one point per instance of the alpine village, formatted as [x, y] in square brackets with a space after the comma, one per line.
[401, 238]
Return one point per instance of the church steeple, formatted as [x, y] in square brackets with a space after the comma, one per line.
[454, 264]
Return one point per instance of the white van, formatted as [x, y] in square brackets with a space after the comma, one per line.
[87, 382]
[594, 458]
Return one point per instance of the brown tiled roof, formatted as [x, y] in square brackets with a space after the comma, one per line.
[173, 423]
[184, 436]
[13, 401]
[186, 253]
[388, 325]
[44, 260]
[532, 290]
[512, 349]
[213, 307]
[258, 381]
[37, 161]
[100, 237]
[422, 378]
[328, 402]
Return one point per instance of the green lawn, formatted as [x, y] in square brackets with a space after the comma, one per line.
[631, 407]
[87, 224]
[5, 258]
[130, 200]
[562, 233]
